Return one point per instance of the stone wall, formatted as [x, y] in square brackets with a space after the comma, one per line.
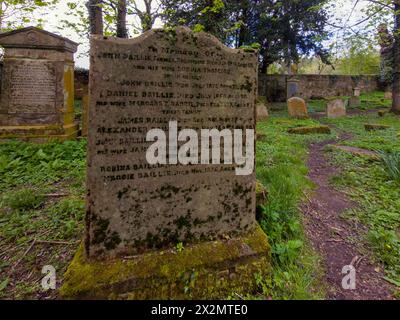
[274, 86]
[315, 86]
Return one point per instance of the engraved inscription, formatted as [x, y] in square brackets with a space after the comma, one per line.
[145, 83]
[33, 87]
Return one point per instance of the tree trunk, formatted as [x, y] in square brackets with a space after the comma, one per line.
[95, 16]
[396, 59]
[122, 31]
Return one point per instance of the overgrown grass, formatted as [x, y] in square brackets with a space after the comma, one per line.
[281, 168]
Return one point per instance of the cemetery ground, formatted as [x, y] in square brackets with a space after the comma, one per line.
[331, 200]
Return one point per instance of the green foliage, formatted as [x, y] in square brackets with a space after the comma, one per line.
[360, 57]
[22, 13]
[285, 29]
[25, 163]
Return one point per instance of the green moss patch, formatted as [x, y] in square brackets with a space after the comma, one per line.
[211, 270]
[375, 127]
[310, 130]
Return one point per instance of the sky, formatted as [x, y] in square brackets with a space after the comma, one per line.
[343, 13]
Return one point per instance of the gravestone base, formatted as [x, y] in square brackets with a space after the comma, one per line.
[39, 133]
[208, 270]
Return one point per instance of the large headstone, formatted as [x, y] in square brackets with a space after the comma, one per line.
[147, 83]
[167, 80]
[37, 87]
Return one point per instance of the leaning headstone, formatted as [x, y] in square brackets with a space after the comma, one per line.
[336, 108]
[37, 87]
[168, 81]
[297, 108]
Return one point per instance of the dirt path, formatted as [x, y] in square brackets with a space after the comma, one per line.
[337, 240]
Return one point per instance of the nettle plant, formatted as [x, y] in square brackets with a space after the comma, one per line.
[391, 163]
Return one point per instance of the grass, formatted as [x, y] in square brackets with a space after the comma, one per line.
[281, 168]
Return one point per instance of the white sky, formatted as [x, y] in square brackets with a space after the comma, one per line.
[341, 15]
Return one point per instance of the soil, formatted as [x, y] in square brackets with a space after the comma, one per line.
[339, 241]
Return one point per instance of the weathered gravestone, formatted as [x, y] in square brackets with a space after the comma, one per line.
[172, 81]
[336, 108]
[37, 87]
[297, 108]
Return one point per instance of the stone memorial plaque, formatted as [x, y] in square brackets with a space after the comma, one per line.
[37, 86]
[32, 87]
[170, 81]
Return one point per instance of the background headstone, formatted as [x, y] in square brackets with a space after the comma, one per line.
[37, 87]
[144, 83]
[336, 108]
[292, 87]
[297, 108]
[356, 92]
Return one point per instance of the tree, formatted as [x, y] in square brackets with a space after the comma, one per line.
[122, 31]
[18, 13]
[283, 29]
[387, 12]
[147, 16]
[95, 16]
